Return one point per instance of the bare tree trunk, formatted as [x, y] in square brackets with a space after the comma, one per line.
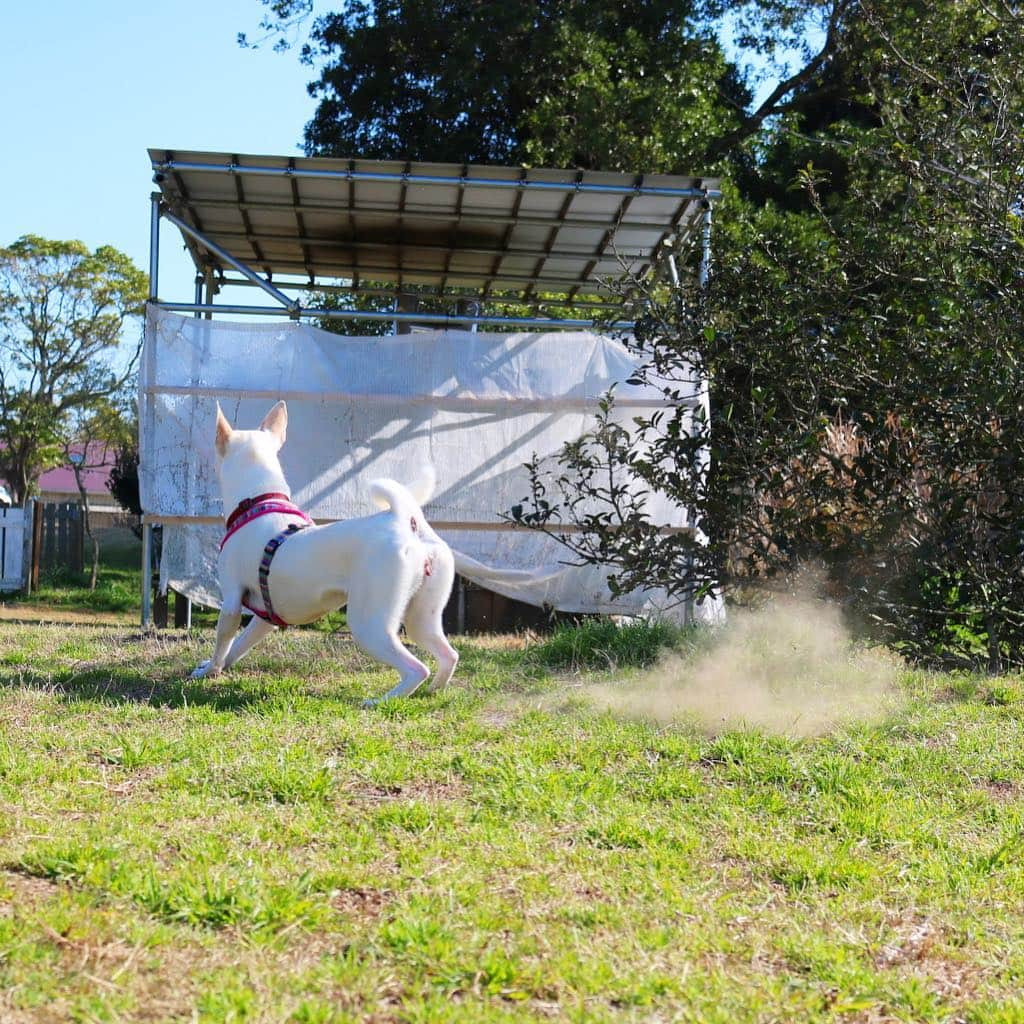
[19, 486]
[94, 543]
[995, 656]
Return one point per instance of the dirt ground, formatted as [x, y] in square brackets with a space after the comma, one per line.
[25, 612]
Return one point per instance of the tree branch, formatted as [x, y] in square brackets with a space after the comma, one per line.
[773, 103]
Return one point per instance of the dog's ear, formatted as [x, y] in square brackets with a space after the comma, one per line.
[224, 433]
[276, 422]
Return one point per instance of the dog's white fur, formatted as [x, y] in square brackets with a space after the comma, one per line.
[374, 564]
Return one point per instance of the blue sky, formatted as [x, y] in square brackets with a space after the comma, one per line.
[89, 85]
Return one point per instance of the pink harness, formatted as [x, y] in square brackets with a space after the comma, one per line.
[250, 509]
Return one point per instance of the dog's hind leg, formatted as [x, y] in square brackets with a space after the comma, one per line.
[423, 624]
[253, 633]
[381, 641]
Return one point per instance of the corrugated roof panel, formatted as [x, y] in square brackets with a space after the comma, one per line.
[490, 228]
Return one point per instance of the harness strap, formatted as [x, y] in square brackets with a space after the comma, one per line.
[247, 503]
[264, 505]
[267, 611]
[271, 503]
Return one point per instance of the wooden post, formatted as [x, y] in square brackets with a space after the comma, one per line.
[160, 610]
[37, 544]
[182, 611]
[406, 304]
[79, 536]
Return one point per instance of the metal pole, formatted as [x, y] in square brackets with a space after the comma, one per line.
[705, 387]
[673, 269]
[155, 211]
[154, 245]
[460, 605]
[441, 319]
[492, 300]
[705, 249]
[292, 306]
[147, 575]
[182, 603]
[521, 184]
[211, 291]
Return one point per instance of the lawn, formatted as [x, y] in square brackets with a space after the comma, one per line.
[519, 847]
[117, 587]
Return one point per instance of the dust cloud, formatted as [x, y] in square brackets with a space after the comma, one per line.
[790, 667]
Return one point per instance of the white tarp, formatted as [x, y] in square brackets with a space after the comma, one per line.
[475, 406]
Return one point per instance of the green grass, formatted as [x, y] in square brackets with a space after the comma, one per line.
[260, 848]
[600, 643]
[118, 582]
[117, 590]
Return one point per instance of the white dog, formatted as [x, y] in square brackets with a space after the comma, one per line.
[390, 569]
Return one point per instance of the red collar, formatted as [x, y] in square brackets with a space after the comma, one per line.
[262, 505]
[247, 503]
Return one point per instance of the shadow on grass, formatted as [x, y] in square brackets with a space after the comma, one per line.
[103, 684]
[128, 666]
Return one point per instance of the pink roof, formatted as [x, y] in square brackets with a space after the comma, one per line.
[62, 479]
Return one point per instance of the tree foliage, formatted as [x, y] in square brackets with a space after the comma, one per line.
[64, 315]
[865, 361]
[637, 85]
[861, 333]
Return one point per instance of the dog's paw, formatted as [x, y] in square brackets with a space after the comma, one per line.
[205, 670]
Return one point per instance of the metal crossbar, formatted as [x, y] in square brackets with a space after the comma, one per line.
[350, 174]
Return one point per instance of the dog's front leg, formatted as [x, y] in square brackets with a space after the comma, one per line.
[254, 632]
[227, 626]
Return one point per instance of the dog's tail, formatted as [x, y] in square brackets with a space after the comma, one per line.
[389, 494]
[422, 486]
[406, 502]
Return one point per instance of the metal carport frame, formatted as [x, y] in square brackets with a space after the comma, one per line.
[466, 235]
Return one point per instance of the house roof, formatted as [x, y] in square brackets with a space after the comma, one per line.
[61, 480]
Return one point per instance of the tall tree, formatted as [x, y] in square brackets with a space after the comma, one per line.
[69, 340]
[643, 84]
[96, 433]
[866, 364]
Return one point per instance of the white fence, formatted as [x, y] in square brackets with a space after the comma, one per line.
[13, 542]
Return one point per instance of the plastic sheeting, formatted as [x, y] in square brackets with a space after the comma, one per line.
[474, 406]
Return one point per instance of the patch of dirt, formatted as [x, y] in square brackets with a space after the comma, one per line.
[29, 614]
[365, 904]
[909, 945]
[27, 890]
[914, 948]
[21, 709]
[429, 790]
[498, 718]
[121, 781]
[1001, 789]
